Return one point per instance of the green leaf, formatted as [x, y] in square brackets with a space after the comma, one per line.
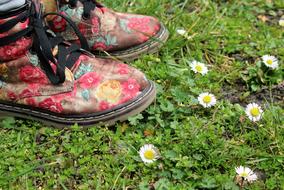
[135, 119]
[8, 123]
[208, 182]
[167, 106]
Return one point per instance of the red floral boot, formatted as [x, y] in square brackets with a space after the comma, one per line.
[46, 79]
[125, 36]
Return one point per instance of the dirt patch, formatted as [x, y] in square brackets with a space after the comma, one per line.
[239, 93]
[271, 17]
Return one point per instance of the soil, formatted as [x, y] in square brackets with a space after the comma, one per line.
[241, 95]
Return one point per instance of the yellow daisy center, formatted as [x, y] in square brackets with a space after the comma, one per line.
[269, 62]
[199, 68]
[244, 174]
[207, 99]
[255, 112]
[149, 154]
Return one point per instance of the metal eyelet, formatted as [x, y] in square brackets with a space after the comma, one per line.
[84, 17]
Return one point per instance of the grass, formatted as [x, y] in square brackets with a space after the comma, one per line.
[200, 147]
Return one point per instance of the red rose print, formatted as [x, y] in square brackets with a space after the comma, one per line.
[104, 105]
[139, 24]
[123, 69]
[31, 74]
[131, 88]
[157, 27]
[89, 80]
[31, 91]
[100, 46]
[51, 105]
[31, 101]
[59, 24]
[82, 27]
[26, 93]
[95, 25]
[103, 9]
[125, 99]
[143, 38]
[15, 49]
[12, 96]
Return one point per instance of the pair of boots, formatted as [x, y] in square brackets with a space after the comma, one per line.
[45, 78]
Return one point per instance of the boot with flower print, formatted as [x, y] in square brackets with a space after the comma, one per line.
[125, 36]
[47, 79]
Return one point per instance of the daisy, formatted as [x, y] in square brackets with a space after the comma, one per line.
[270, 61]
[198, 67]
[246, 173]
[254, 112]
[181, 32]
[207, 100]
[281, 21]
[149, 153]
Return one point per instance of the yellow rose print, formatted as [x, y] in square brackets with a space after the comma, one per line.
[109, 91]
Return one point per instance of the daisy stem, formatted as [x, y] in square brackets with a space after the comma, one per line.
[115, 182]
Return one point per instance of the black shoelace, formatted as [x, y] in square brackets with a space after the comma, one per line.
[88, 6]
[44, 41]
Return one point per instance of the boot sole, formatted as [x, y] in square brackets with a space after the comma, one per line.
[151, 46]
[109, 118]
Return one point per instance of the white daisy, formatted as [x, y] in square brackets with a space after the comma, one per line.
[198, 67]
[252, 177]
[254, 112]
[281, 21]
[181, 32]
[149, 153]
[246, 173]
[270, 61]
[185, 33]
[207, 100]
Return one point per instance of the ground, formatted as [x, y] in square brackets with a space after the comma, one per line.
[199, 147]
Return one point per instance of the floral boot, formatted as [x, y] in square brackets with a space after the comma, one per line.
[46, 79]
[125, 36]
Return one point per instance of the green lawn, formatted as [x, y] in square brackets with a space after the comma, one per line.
[200, 147]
